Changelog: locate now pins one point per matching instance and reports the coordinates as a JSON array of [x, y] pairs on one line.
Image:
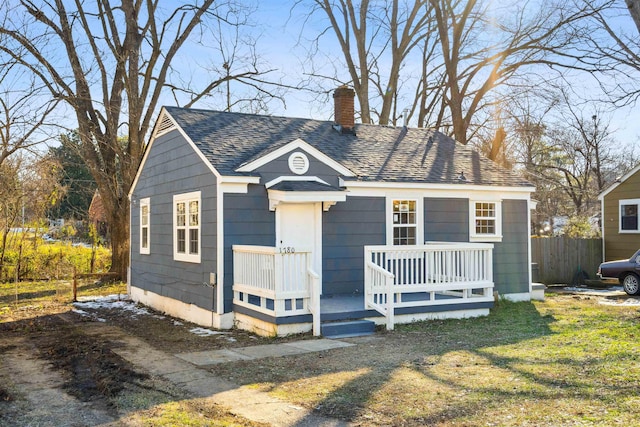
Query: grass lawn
[[569, 360]]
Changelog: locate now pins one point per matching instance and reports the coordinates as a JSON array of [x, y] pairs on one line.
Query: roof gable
[[297, 144], [619, 181]]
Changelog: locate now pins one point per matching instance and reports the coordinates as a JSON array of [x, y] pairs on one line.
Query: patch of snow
[[593, 290], [629, 302], [111, 302], [231, 339], [205, 332], [177, 323]]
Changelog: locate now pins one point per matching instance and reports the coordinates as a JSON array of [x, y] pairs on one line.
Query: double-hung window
[[486, 221], [186, 227], [145, 226], [405, 222], [628, 222]]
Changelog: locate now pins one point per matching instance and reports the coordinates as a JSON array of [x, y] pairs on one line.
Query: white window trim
[[622, 202], [187, 197], [477, 237], [419, 216], [145, 202]]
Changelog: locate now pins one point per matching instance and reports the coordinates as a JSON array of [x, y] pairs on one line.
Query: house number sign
[[287, 250]]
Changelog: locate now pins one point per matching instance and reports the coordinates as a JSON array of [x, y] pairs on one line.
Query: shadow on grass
[[460, 370], [380, 360]]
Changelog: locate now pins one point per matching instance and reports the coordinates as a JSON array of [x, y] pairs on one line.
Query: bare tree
[[111, 62], [469, 50], [475, 65], [634, 11], [375, 38], [24, 112], [615, 51]]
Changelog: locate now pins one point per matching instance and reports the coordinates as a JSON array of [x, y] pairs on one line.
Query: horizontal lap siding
[[446, 220], [347, 227], [247, 221], [619, 245], [173, 167], [511, 255]]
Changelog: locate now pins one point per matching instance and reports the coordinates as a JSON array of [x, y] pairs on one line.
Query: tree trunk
[[634, 11], [119, 232]]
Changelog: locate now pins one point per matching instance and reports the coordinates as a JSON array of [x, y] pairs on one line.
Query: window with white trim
[[145, 226], [186, 227], [628, 217], [405, 222], [485, 221]]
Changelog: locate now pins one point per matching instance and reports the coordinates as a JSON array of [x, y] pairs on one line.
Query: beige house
[[620, 207]]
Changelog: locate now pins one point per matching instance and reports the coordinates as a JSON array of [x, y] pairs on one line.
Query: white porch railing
[[275, 283], [433, 274]]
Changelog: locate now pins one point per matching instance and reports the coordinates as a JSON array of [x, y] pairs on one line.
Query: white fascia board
[[613, 186], [237, 184], [294, 178], [295, 145], [306, 196], [164, 112], [486, 192]]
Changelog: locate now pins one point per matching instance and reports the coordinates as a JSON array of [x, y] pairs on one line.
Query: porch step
[[352, 328]]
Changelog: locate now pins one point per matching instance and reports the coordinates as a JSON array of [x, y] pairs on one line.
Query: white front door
[[299, 227]]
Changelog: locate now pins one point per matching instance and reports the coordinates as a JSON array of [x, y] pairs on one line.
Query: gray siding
[[247, 221], [510, 257], [173, 167], [280, 167], [347, 227], [446, 220]]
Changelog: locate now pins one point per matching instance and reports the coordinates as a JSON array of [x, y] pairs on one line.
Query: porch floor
[[351, 306]]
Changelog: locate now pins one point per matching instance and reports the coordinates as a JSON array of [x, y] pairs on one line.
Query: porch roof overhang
[[305, 192]]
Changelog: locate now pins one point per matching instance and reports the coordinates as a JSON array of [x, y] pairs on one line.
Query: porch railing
[[433, 274], [276, 283]]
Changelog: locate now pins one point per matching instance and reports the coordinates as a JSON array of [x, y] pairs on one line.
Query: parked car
[[627, 271]]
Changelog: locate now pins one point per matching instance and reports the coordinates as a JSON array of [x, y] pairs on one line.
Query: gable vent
[[165, 125], [298, 163]]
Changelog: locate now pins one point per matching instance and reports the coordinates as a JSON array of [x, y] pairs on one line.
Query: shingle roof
[[374, 153]]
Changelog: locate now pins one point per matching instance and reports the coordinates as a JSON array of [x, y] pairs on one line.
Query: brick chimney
[[344, 108]]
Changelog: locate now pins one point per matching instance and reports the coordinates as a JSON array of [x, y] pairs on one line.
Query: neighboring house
[[620, 226], [98, 215], [277, 224]]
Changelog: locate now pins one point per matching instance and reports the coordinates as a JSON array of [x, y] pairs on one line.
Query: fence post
[[75, 285]]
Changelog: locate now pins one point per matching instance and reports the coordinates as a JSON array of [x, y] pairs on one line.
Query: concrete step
[[352, 328]]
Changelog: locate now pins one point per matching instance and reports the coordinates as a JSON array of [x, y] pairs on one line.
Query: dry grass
[[567, 361]]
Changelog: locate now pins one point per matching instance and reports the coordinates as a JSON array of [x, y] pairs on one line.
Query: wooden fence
[[565, 260]]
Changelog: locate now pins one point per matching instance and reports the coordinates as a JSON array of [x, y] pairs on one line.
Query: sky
[[282, 32]]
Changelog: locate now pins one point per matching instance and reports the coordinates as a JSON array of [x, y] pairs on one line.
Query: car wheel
[[631, 284]]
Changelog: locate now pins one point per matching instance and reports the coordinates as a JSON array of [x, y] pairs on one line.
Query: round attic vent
[[298, 163]]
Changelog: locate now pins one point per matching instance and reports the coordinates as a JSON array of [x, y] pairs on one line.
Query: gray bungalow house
[[284, 225]]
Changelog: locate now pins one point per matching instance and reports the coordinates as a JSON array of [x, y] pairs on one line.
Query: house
[[620, 226], [282, 225], [98, 215]]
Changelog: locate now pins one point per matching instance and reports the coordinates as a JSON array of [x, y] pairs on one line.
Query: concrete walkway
[[203, 358], [182, 369]]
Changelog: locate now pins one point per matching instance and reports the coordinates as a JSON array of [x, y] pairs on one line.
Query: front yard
[[570, 360]]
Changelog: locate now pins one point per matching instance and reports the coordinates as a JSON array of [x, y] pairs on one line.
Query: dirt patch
[[56, 370], [92, 370]]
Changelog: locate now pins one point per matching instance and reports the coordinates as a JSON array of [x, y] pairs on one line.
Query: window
[[186, 227], [629, 216], [486, 221], [144, 225], [404, 222]]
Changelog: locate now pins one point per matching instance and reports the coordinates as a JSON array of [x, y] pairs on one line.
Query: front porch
[[401, 284]]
